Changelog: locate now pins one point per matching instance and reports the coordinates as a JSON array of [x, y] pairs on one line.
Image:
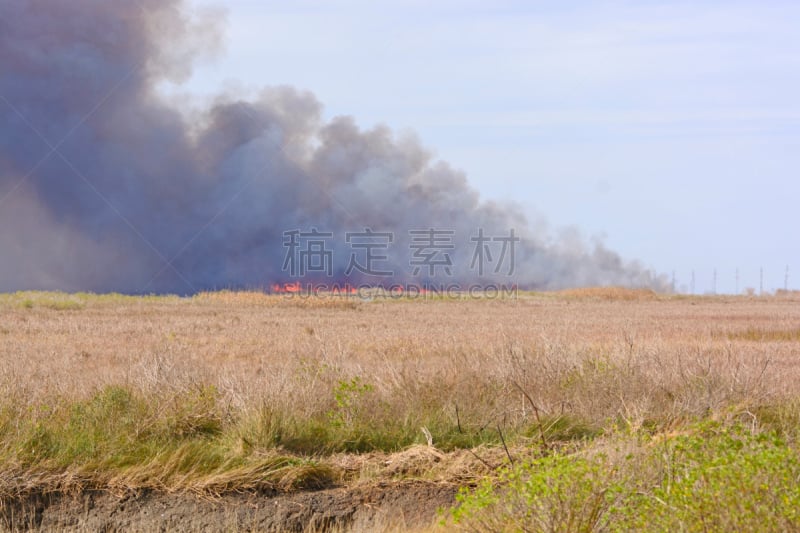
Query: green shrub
[[348, 396], [555, 493], [714, 478], [722, 479]]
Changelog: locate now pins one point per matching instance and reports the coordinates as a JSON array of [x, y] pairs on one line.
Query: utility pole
[[714, 284]]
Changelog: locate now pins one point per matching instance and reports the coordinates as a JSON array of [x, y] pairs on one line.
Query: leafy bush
[[715, 478], [722, 479], [555, 493]]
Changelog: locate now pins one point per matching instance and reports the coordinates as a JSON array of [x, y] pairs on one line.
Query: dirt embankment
[[374, 507]]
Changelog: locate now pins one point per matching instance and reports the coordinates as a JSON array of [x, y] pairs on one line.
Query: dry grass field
[[583, 410]]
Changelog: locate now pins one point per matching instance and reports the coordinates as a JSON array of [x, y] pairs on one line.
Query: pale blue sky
[[672, 129]]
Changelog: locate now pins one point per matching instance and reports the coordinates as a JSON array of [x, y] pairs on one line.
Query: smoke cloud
[[106, 186]]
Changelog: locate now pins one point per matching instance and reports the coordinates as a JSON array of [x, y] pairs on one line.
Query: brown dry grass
[[314, 378], [609, 294]]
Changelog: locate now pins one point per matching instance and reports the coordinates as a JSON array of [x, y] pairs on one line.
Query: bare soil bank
[[369, 507]]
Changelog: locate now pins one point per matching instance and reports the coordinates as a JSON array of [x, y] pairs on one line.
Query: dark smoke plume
[[106, 186]]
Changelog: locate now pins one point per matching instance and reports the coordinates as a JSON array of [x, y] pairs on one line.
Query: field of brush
[[586, 410]]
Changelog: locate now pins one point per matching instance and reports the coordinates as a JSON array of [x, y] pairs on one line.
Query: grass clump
[[766, 335], [63, 301], [369, 428], [57, 301], [609, 294], [119, 437]]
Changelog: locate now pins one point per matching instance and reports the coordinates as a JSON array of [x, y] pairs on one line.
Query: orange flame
[[282, 288], [346, 289]]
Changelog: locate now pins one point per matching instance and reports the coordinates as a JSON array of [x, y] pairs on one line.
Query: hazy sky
[[670, 129]]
